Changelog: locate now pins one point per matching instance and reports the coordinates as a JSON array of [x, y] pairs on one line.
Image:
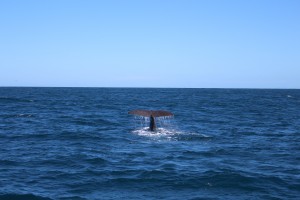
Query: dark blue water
[[80, 143]]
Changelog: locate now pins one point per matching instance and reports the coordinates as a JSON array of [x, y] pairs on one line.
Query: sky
[[150, 43]]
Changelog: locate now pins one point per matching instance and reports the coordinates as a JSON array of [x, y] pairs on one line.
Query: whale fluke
[[148, 113], [152, 114]]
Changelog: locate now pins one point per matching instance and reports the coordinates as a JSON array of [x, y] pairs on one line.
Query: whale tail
[[152, 114], [148, 113]]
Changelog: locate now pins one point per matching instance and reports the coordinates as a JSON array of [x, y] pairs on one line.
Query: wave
[[22, 197], [14, 100], [92, 122], [22, 115], [229, 180]]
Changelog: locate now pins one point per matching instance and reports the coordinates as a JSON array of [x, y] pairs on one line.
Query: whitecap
[[168, 134], [159, 132]]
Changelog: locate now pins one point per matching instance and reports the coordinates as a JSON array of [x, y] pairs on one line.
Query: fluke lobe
[[152, 114]]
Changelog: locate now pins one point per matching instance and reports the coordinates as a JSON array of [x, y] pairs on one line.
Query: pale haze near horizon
[[185, 44]]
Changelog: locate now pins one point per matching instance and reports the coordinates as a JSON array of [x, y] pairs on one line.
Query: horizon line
[[246, 88]]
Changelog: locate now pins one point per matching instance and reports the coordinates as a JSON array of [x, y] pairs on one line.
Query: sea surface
[[81, 143]]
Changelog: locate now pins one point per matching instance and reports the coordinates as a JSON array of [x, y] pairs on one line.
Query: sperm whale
[[152, 114]]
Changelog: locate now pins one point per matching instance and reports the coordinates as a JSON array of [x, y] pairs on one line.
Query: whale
[[152, 114]]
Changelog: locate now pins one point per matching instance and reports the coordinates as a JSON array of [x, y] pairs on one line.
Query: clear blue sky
[[149, 43]]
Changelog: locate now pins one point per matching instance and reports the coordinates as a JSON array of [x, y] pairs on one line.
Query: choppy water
[[80, 143]]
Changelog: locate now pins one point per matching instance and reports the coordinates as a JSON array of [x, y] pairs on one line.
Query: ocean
[[81, 143]]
